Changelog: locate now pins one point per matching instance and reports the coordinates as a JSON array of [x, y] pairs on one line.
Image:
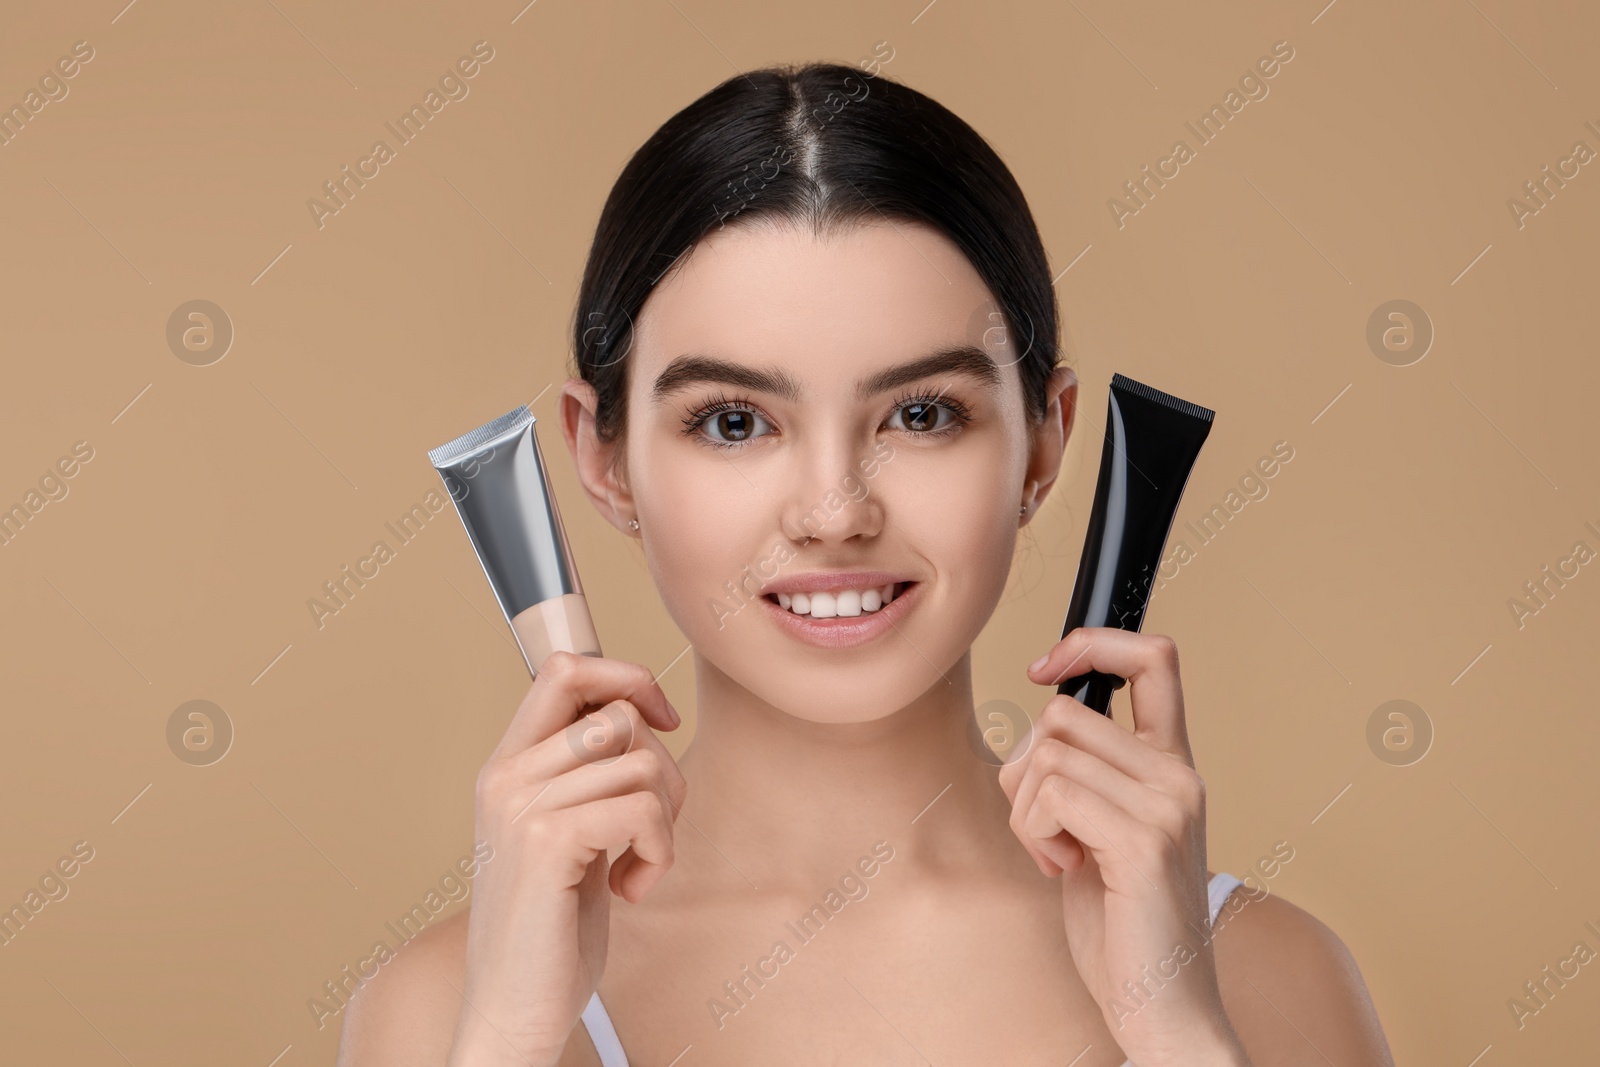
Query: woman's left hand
[[1121, 817]]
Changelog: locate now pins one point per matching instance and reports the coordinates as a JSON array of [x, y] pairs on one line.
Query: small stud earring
[[633, 524], [1024, 510]]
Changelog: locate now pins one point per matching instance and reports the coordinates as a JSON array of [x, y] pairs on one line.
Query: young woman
[[819, 379]]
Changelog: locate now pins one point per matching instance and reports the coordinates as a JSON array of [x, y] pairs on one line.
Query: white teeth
[[842, 603]]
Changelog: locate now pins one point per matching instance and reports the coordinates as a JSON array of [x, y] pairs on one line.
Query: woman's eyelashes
[[731, 422]]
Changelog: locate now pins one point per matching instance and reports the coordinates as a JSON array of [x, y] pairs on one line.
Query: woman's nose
[[833, 502]]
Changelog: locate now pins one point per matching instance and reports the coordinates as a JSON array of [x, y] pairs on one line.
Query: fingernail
[[676, 719], [1040, 662]]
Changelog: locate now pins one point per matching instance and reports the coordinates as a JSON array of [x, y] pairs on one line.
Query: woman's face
[[778, 427]]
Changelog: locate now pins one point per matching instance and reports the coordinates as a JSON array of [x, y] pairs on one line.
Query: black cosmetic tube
[[1152, 440]]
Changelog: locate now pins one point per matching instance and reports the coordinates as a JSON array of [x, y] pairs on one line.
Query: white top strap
[[603, 1034], [1222, 884], [606, 1042]]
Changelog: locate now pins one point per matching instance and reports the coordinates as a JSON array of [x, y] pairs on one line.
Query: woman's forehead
[[773, 293]]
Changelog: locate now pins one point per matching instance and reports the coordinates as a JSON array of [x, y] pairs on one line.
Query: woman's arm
[[1119, 816], [1292, 989], [518, 966]]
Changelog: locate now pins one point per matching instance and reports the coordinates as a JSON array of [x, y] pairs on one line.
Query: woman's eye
[[732, 425], [729, 423], [922, 416]]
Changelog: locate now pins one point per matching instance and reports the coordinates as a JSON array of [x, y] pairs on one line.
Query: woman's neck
[[780, 802]]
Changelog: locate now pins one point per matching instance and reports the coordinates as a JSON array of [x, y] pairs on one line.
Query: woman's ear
[[598, 461], [1050, 440]]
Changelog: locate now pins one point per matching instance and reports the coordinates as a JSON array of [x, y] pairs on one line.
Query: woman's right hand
[[552, 798]]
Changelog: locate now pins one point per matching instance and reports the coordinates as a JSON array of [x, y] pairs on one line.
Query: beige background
[[179, 565]]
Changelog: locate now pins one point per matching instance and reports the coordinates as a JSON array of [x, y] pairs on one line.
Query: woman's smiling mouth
[[841, 611]]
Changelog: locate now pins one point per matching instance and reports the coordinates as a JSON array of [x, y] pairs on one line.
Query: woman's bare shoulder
[[406, 1016], [1292, 989]]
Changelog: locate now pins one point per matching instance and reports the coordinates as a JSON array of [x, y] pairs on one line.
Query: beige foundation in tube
[[496, 477]]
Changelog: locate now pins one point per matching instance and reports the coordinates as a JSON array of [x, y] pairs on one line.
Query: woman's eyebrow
[[685, 371]]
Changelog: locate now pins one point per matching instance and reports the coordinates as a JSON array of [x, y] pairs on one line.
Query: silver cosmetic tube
[[496, 477]]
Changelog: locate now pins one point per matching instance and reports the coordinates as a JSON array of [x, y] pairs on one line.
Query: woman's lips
[[846, 632]]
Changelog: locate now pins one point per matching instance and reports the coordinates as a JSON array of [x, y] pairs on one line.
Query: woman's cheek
[[704, 545], [965, 518]]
